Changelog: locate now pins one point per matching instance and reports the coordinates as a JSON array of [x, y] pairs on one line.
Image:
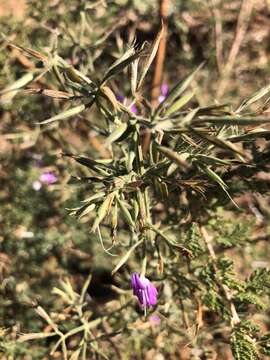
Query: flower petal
[[152, 295]]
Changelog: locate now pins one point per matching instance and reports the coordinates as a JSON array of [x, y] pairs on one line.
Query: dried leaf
[[103, 211], [50, 93], [151, 56], [108, 94]]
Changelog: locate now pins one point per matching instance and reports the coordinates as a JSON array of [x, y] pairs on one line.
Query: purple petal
[[120, 98], [135, 283], [134, 109], [138, 282], [152, 294], [164, 89], [48, 178], [145, 291], [145, 298]]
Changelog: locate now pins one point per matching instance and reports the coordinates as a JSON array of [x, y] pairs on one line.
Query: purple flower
[[144, 290], [48, 178], [122, 99], [164, 89], [134, 109], [164, 92]]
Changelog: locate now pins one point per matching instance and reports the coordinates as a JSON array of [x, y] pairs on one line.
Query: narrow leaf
[[224, 144], [179, 88], [126, 257], [121, 63], [50, 93], [151, 56], [116, 134], [253, 98], [108, 94], [126, 214], [10, 91], [76, 75], [38, 55], [232, 120], [86, 210], [172, 155], [103, 211], [180, 103], [65, 114]]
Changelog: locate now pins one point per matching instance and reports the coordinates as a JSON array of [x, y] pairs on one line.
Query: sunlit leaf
[[125, 258], [7, 94], [129, 56], [116, 134], [64, 115], [177, 105]]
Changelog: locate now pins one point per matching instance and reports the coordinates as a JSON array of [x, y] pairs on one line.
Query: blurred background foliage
[[41, 243]]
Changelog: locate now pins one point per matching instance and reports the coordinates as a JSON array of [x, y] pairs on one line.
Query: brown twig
[[218, 33], [241, 28], [159, 65]]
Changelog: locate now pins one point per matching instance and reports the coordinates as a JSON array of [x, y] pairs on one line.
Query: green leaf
[[108, 94], [85, 210], [103, 211], [243, 345], [214, 176], [116, 134], [125, 258], [253, 98], [129, 56], [250, 135], [10, 91], [65, 114], [126, 214], [189, 117], [76, 76], [179, 88], [102, 167], [177, 105], [230, 120], [222, 143], [172, 155], [211, 160]]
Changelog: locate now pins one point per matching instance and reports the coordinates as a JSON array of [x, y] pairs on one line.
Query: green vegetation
[[115, 160]]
